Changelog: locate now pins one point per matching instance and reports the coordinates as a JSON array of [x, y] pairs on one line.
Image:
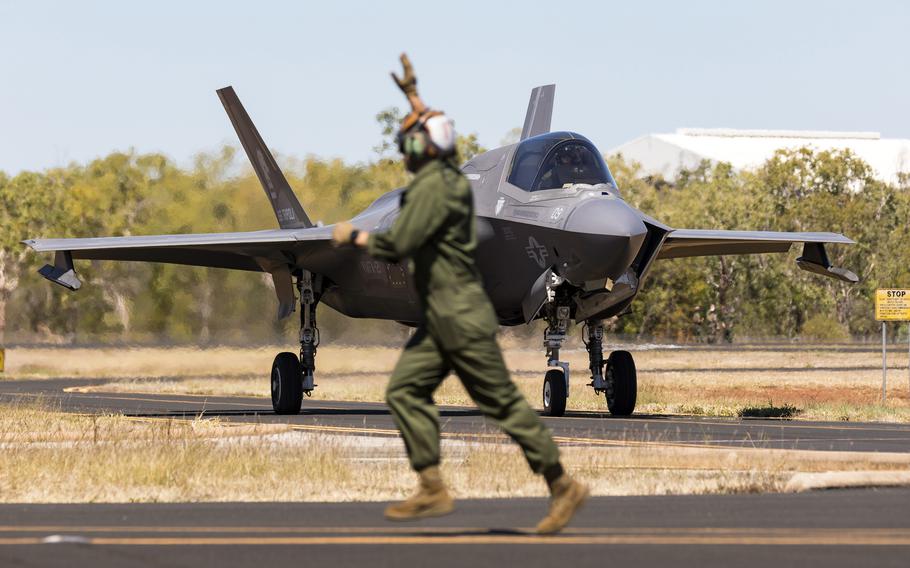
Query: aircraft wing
[[239, 251], [705, 242], [298, 243], [272, 251]]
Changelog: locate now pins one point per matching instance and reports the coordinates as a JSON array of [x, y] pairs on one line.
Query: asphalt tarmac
[[831, 529], [576, 428], [828, 528]]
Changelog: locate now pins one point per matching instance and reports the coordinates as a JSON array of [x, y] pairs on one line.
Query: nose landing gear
[[556, 381], [615, 378]]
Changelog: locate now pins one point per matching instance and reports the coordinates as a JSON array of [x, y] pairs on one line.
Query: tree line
[[700, 299]]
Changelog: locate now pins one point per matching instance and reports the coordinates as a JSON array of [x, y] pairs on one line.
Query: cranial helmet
[[424, 133]]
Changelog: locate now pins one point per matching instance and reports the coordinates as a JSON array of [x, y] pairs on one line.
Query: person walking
[[435, 228]]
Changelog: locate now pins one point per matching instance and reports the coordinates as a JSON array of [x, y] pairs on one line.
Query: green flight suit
[[436, 229]]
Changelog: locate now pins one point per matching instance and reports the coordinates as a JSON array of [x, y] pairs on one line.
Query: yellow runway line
[[510, 540], [499, 539], [104, 396], [473, 536], [69, 529], [464, 531]]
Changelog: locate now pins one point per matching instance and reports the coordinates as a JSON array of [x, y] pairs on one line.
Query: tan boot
[[567, 497], [431, 500]]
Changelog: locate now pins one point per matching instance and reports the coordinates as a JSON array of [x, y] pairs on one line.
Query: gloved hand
[[408, 83], [343, 234]]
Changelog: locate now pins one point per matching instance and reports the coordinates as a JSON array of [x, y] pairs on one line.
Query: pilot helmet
[[425, 136], [569, 163]]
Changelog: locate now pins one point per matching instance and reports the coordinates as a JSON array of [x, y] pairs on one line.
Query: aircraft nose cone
[[610, 217], [612, 232]]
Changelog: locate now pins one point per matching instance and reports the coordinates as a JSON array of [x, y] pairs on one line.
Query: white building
[[666, 154]]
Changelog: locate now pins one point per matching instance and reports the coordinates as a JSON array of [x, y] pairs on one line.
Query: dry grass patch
[[35, 422], [152, 362], [50, 456]]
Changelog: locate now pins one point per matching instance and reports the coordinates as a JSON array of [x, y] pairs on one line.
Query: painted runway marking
[[471, 536]]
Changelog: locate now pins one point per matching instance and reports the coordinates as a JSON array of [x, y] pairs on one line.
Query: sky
[[79, 80]]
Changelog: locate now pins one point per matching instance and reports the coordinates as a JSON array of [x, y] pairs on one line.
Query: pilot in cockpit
[[566, 166]]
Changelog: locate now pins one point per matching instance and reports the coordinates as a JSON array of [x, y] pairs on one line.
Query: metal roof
[[666, 154]]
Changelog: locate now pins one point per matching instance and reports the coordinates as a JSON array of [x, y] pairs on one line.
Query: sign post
[[884, 363], [890, 305]]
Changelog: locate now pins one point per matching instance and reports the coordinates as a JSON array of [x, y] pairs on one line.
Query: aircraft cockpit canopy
[[557, 159]]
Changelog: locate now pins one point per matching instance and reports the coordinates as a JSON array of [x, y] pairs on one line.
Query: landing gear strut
[[293, 375], [619, 384], [593, 337], [614, 378], [556, 381]]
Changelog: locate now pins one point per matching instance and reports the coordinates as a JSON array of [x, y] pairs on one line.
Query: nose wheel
[[554, 393]]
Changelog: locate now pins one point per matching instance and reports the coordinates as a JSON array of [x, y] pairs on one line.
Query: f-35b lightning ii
[[556, 241]]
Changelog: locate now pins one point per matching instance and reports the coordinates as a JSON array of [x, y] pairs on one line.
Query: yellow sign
[[2, 358], [892, 305]]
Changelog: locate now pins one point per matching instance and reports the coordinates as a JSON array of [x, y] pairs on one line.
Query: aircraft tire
[[622, 383], [554, 393], [287, 384]]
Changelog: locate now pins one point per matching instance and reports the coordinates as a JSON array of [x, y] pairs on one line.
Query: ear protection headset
[[429, 135]]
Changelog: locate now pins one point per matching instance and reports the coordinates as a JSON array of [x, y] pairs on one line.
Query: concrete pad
[[843, 479]]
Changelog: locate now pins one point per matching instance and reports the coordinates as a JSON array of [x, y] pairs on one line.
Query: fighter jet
[[556, 242]]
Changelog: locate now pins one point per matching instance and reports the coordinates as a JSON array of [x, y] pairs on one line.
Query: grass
[[49, 456]]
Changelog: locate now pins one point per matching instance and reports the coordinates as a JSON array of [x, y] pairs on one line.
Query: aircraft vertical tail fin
[[540, 111], [287, 208]]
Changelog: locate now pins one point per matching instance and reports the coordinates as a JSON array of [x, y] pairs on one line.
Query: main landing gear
[[619, 384], [292, 374], [615, 378]]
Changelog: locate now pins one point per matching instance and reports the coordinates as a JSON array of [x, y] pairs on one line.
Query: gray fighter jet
[[556, 242]]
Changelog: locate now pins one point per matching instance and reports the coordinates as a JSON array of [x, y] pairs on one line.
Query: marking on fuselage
[[537, 252], [526, 213], [499, 203], [373, 267], [398, 276], [508, 234]]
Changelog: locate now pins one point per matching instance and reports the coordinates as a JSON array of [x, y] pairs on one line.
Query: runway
[[832, 529], [576, 428]]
